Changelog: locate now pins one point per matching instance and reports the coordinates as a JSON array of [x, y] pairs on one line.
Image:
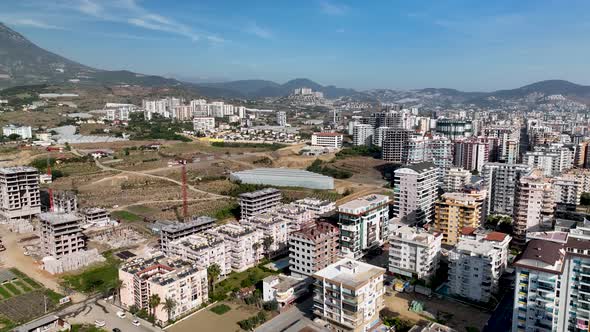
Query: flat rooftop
[[55, 218], [17, 169], [364, 201], [349, 272], [181, 226], [257, 193]]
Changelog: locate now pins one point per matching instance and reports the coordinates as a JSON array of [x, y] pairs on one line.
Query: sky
[[472, 45]]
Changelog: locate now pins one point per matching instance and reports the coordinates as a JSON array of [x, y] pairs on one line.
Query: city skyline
[[471, 47]]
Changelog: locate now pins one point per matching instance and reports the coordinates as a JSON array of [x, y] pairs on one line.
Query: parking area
[[106, 312]]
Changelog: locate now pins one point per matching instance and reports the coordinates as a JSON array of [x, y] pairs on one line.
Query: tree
[[119, 285], [255, 247], [213, 273], [266, 243], [585, 199], [14, 137], [169, 305], [154, 302]]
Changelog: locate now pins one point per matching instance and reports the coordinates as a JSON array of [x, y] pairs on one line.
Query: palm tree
[[266, 243], [154, 302], [169, 305], [213, 272], [118, 288]]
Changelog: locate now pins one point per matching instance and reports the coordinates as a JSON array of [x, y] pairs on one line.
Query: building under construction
[[19, 193], [60, 234], [182, 230]]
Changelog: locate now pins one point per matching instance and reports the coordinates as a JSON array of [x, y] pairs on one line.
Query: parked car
[[116, 329], [100, 323], [121, 314], [135, 322]]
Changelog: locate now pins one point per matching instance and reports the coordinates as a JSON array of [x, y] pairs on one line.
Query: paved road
[[290, 319]]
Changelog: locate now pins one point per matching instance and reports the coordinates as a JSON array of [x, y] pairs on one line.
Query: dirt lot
[[207, 320], [454, 314]]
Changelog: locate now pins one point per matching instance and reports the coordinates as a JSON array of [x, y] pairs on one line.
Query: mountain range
[[22, 63]]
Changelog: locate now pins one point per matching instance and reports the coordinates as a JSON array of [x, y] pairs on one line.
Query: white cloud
[[259, 31], [29, 22], [331, 8]]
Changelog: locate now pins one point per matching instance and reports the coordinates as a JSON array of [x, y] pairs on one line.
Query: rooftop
[[56, 218], [327, 134], [281, 172], [418, 168], [177, 227], [365, 202], [262, 192], [17, 169], [349, 272], [542, 255]]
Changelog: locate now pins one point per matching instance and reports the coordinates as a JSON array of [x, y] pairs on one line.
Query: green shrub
[[220, 309]]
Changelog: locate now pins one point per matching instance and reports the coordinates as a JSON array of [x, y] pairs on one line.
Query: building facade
[[19, 193], [312, 249], [415, 188], [414, 252], [455, 211]]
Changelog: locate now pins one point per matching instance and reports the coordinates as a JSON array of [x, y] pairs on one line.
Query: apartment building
[[393, 143], [312, 249], [567, 190], [348, 295], [363, 224], [328, 140], [442, 151], [456, 179], [275, 228], [259, 201], [471, 154], [281, 118], [171, 279], [243, 243], [204, 124], [202, 250], [534, 206], [501, 181], [316, 206], [414, 252], [415, 188], [476, 265], [362, 134], [457, 210], [296, 216], [454, 129], [283, 289], [553, 160], [60, 234], [19, 193], [177, 231]]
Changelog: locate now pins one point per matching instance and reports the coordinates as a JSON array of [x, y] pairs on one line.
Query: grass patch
[[4, 293], [235, 281], [102, 278], [126, 216], [6, 324], [86, 328], [26, 278], [12, 288], [53, 296], [220, 309], [23, 286]]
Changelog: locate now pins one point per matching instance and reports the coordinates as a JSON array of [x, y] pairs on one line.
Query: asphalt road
[[291, 318], [501, 319]]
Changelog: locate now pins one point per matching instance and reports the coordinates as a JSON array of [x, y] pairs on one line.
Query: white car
[[99, 323], [135, 322], [121, 314]]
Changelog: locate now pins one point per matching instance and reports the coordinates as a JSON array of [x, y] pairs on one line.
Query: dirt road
[[14, 257]]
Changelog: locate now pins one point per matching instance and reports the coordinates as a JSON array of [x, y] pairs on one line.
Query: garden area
[[101, 278], [22, 299]]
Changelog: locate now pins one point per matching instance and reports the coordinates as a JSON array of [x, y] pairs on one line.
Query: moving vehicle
[[99, 323], [121, 314], [135, 322]]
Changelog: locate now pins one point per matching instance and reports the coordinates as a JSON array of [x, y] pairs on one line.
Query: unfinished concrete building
[[97, 217], [19, 193], [178, 231], [65, 201], [60, 234], [259, 201], [312, 249]]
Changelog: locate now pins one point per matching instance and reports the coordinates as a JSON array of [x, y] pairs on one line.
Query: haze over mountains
[[22, 63]]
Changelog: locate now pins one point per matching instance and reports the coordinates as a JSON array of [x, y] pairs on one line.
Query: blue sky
[[470, 45]]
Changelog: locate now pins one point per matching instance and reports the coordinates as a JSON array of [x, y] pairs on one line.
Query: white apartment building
[[118, 114], [202, 250], [60, 234], [348, 295], [25, 132], [283, 289], [20, 197], [363, 224], [316, 206], [182, 113], [202, 124], [275, 228], [312, 249], [259, 201], [328, 140], [296, 216], [281, 118], [414, 252], [242, 242], [362, 134], [501, 181], [553, 160], [476, 265], [441, 150], [415, 191], [171, 279], [534, 206], [455, 179], [567, 189]]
